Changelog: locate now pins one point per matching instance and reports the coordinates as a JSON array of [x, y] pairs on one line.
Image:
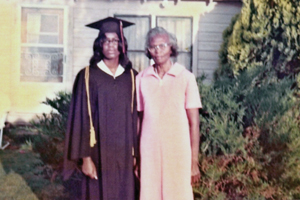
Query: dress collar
[[104, 68], [173, 71]]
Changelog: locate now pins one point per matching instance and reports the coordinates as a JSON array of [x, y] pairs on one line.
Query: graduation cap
[[111, 25]]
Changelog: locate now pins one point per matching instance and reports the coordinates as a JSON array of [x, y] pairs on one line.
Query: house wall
[[209, 21], [6, 57], [87, 12], [25, 98], [211, 27]]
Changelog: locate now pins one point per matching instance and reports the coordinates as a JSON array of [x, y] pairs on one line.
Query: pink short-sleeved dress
[[165, 140]]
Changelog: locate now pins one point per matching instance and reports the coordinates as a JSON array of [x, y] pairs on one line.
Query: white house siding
[[24, 98], [208, 22], [88, 11], [211, 27]]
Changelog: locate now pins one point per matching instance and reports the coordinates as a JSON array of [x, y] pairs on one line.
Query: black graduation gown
[[115, 127]]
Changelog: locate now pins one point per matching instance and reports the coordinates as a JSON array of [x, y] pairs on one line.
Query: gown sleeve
[[77, 135]]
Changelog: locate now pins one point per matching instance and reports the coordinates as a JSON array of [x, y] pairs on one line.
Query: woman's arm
[[193, 118]]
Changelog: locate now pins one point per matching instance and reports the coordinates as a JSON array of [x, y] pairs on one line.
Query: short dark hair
[[161, 31]]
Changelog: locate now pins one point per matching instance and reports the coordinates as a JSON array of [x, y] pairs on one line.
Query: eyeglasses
[[157, 47], [113, 41]]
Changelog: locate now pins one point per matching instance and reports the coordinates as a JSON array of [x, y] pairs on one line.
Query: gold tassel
[[93, 137], [92, 130]]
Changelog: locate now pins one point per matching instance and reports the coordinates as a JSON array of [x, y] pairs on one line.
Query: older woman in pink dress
[[168, 103]]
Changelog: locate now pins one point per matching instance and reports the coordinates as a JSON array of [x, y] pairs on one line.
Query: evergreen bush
[[250, 122], [52, 128], [54, 124], [266, 33]]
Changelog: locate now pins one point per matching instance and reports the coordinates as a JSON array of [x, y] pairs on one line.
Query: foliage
[[260, 118], [27, 145], [51, 129], [266, 33], [24, 176], [51, 151], [20, 191], [250, 122], [19, 135], [222, 116], [54, 124], [61, 103], [50, 124]]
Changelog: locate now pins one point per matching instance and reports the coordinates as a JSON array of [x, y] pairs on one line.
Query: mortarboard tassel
[[122, 37]]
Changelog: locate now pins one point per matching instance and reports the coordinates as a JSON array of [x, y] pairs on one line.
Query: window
[[136, 35], [42, 49], [181, 27]]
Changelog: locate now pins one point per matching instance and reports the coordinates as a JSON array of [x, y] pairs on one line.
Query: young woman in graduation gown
[[106, 156]]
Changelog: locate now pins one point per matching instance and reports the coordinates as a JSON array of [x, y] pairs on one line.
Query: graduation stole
[[92, 129]]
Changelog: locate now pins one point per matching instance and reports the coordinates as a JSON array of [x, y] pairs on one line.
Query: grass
[[23, 175], [13, 186]]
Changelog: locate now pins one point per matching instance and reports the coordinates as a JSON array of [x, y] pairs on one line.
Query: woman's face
[[110, 46], [160, 49]]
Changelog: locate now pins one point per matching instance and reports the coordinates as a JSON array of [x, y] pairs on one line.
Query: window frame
[[142, 51], [64, 44], [191, 39], [153, 20], [124, 15]]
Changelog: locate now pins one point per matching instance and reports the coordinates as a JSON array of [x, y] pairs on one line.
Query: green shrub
[[250, 122], [54, 124], [221, 121], [51, 130], [61, 103], [24, 176], [266, 33], [254, 160]]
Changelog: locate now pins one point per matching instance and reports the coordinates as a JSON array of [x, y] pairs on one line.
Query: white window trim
[[65, 9], [195, 21]]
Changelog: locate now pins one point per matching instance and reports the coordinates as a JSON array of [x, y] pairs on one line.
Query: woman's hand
[[195, 174], [88, 168]]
